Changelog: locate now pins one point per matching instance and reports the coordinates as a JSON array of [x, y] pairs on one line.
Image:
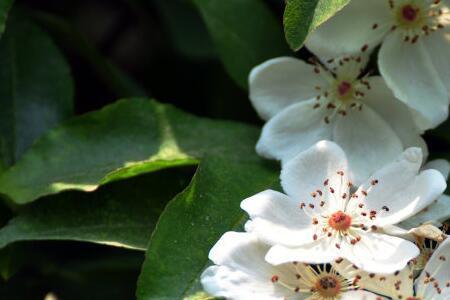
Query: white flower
[[413, 58], [320, 219], [432, 284], [306, 103], [241, 273], [421, 224], [438, 211]]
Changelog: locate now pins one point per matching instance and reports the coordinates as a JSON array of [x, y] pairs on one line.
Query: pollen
[[409, 13], [328, 287], [416, 18], [410, 16], [344, 88], [340, 221]]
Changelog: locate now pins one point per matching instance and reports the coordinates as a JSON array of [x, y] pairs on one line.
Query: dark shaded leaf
[[36, 89], [121, 214], [245, 34]]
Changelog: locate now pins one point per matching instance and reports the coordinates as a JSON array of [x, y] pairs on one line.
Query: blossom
[[413, 58], [433, 282], [438, 211], [306, 103], [421, 224], [322, 217], [241, 273]]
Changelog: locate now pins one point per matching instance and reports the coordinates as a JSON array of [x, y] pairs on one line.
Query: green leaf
[[194, 221], [5, 6], [301, 17], [36, 89], [122, 140], [245, 34], [121, 214]]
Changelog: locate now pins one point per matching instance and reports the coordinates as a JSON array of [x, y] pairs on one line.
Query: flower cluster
[[361, 211]]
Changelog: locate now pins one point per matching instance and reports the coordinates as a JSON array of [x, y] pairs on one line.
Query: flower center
[[409, 13], [344, 89], [328, 287], [410, 16], [340, 221]]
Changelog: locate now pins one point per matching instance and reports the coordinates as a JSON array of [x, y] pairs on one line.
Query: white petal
[[350, 29], [398, 231], [277, 219], [243, 273], [409, 72], [367, 140], [294, 129], [399, 117], [220, 281], [307, 171], [438, 46], [361, 295], [280, 82], [383, 284], [379, 253], [428, 231], [439, 268], [402, 189], [441, 165], [320, 251], [436, 213], [239, 250]]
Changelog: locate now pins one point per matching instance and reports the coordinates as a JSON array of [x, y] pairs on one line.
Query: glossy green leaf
[[301, 17], [121, 214], [245, 34], [36, 89], [122, 140], [5, 6], [194, 221]]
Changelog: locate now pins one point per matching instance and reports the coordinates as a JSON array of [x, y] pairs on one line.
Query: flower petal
[[438, 46], [280, 82], [277, 219], [441, 165], [367, 140], [409, 72], [220, 281], [350, 29], [307, 172], [320, 251], [361, 295], [425, 231], [381, 99], [239, 250], [402, 191], [294, 129], [437, 267], [391, 285], [379, 253], [243, 273], [436, 213]]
